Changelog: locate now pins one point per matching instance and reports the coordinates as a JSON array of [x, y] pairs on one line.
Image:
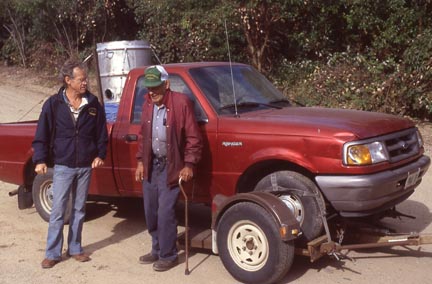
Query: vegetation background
[[360, 54]]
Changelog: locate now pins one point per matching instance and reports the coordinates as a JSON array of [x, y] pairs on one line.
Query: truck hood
[[316, 121]]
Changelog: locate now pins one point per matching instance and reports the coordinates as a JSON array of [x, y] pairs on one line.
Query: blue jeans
[[159, 209], [74, 183]]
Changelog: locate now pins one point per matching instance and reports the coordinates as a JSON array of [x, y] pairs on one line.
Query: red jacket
[[184, 143]]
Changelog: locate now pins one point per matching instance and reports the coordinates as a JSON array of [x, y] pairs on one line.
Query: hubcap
[[295, 206], [248, 245], [47, 196]]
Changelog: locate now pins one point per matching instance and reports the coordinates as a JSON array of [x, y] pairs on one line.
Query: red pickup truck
[[272, 172]]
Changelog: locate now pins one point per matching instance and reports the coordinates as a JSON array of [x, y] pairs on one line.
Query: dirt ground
[[115, 234]]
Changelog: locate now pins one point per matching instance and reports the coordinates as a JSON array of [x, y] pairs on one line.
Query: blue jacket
[[76, 144]]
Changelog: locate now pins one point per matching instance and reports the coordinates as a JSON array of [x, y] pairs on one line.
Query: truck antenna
[[32, 108], [232, 77], [154, 53]]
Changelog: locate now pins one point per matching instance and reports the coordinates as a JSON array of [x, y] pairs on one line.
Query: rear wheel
[[250, 246], [301, 196], [43, 196]]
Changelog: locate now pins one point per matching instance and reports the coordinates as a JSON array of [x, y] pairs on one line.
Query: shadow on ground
[[405, 225], [129, 209], [132, 211]]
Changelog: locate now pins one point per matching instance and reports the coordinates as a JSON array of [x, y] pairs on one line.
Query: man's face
[[157, 93], [78, 82]]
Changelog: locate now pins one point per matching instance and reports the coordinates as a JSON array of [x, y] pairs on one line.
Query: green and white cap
[[154, 76]]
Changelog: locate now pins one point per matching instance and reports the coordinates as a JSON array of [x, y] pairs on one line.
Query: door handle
[[130, 137]]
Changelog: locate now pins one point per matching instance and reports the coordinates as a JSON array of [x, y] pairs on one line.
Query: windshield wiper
[[278, 101], [248, 104]]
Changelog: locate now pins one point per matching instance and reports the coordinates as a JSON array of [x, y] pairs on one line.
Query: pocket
[[63, 148], [87, 147]]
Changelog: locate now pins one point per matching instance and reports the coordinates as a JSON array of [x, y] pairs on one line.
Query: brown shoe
[[49, 263], [81, 257]]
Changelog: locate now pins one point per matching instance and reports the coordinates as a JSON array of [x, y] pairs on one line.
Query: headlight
[[365, 154]]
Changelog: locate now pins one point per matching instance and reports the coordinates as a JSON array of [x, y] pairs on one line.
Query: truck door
[[126, 136]]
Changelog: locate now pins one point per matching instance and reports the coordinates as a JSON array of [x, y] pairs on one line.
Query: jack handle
[[180, 182]]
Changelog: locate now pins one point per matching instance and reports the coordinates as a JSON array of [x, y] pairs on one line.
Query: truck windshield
[[252, 90]]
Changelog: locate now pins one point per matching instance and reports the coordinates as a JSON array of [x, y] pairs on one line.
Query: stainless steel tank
[[115, 60]]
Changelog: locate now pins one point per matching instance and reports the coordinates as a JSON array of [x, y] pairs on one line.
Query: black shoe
[[148, 258], [164, 265]]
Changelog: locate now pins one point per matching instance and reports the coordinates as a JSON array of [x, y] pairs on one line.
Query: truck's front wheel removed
[[43, 196], [250, 245], [301, 196]]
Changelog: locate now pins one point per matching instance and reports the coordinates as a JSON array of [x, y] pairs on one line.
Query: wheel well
[[255, 173], [250, 178]]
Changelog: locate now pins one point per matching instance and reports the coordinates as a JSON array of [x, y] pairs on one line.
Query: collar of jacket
[[90, 97]]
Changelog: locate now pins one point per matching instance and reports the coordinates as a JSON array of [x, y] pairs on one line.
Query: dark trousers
[[159, 209]]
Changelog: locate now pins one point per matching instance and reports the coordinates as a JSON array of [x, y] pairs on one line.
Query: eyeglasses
[[80, 80]]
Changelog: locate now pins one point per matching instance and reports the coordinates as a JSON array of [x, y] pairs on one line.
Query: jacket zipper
[[76, 134], [76, 124]]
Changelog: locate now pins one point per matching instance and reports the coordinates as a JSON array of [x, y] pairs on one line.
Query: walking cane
[[187, 272]]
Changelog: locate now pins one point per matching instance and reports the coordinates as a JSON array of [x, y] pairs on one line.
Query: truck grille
[[401, 145]]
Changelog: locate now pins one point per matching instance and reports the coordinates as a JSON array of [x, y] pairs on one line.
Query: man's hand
[[97, 162], [41, 169], [139, 172], [186, 174]]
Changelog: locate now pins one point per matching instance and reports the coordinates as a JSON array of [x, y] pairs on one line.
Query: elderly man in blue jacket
[[72, 129]]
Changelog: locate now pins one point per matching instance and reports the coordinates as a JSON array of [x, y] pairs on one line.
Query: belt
[[159, 160]]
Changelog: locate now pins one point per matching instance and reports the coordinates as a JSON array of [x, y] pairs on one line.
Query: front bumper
[[362, 195]]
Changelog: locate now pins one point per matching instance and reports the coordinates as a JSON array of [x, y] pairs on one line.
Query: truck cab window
[[177, 85]]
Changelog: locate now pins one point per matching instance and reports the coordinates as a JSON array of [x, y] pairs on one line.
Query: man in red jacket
[[169, 148]]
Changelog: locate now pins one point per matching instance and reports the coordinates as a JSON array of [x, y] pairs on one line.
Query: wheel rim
[[295, 206], [248, 245], [46, 196]]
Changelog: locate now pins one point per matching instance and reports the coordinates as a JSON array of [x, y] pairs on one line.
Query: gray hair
[[68, 67]]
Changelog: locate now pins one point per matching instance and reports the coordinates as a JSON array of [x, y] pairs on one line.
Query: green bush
[[9, 53], [356, 82]]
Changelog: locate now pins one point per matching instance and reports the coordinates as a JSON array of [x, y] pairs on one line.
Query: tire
[[250, 246], [43, 196], [302, 197]]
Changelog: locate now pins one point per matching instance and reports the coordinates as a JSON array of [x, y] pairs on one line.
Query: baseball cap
[[154, 76]]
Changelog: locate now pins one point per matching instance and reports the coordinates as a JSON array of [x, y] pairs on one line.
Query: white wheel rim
[[248, 245]]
